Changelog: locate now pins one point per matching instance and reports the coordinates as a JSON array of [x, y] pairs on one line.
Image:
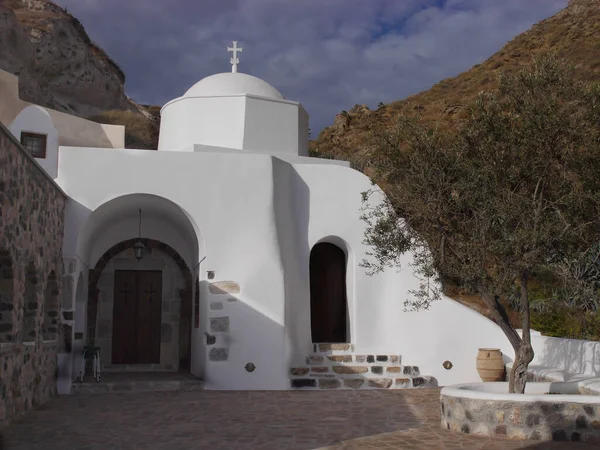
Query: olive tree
[[515, 190]]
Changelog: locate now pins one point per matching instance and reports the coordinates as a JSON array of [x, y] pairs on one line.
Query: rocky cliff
[[61, 68], [573, 33]]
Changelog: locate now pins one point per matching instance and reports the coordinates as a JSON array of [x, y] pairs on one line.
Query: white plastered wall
[[379, 324], [272, 126], [242, 122], [229, 197], [35, 119], [72, 130], [217, 121]]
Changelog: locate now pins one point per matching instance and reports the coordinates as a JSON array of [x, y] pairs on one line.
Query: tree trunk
[[520, 344], [524, 353]]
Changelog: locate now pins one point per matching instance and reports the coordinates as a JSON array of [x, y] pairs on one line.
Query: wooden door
[[124, 336], [137, 317], [328, 302]]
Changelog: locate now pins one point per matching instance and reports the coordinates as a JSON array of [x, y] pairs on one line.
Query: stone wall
[[31, 236], [558, 421], [335, 366]]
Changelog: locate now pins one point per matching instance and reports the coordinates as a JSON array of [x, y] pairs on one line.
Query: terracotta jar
[[490, 365]]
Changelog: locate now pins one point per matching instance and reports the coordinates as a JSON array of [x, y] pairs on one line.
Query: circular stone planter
[[488, 409]]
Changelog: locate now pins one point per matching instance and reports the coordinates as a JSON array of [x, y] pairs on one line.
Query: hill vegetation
[[572, 34]]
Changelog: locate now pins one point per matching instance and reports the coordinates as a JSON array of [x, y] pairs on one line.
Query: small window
[[34, 143]]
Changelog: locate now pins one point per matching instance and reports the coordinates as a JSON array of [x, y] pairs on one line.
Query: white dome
[[230, 83]]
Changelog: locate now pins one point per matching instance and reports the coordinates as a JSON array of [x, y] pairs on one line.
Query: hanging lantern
[[139, 248]]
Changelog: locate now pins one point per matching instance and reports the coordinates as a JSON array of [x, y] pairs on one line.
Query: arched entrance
[[328, 299], [146, 311]]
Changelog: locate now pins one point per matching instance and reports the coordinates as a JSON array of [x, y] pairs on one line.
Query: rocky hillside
[[61, 68], [573, 33]]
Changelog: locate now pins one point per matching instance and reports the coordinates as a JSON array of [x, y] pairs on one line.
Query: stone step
[[127, 382], [135, 386], [346, 382], [137, 368], [365, 370], [320, 359], [333, 349]]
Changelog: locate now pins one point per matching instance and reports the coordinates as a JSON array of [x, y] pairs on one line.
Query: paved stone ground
[[236, 420]]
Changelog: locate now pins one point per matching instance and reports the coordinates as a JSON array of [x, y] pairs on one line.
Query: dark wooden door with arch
[[328, 301], [137, 317]]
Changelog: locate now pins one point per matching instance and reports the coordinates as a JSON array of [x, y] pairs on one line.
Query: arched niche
[[50, 312], [185, 312], [7, 305], [80, 302], [31, 305]]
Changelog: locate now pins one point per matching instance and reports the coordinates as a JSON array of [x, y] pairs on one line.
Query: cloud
[[329, 55]]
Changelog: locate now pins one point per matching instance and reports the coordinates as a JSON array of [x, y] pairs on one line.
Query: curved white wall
[[216, 121], [448, 331], [36, 119], [258, 217], [239, 240], [242, 122]]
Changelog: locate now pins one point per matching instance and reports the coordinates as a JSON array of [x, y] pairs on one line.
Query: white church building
[[232, 254]]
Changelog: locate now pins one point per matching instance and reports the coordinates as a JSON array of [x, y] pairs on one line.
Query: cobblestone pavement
[[236, 420]]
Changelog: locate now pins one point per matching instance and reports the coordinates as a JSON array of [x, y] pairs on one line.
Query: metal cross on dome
[[234, 60]]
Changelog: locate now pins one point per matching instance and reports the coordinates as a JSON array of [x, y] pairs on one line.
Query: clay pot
[[490, 365]]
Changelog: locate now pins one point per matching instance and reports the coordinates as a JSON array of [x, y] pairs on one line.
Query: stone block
[[299, 371], [381, 358], [218, 354], [382, 383], [219, 324], [350, 369], [532, 419], [319, 369], [353, 383], [370, 359], [418, 381], [394, 359], [581, 422], [514, 416], [329, 383], [332, 347], [314, 359], [224, 287], [394, 369], [499, 416], [303, 382], [559, 435], [377, 370], [403, 382], [340, 358], [360, 358]]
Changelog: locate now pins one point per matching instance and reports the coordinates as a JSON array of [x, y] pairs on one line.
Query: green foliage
[[516, 191], [562, 321]]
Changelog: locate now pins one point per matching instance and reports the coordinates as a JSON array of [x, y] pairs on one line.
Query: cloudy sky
[[327, 54]]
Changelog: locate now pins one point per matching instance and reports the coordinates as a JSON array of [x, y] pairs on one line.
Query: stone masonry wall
[[31, 236], [558, 421]]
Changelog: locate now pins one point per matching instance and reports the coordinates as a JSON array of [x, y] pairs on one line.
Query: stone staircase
[[137, 378], [335, 366]]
